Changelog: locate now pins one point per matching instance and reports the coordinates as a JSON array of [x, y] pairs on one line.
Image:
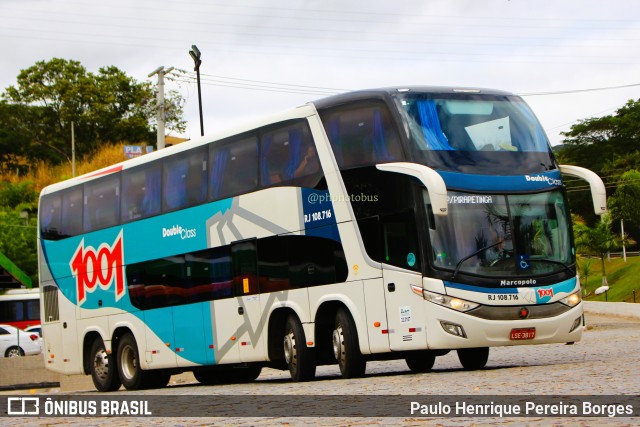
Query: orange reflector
[[52, 356], [167, 344], [233, 338], [376, 324], [309, 342]]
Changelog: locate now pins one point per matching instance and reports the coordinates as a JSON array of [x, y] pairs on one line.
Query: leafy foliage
[[107, 107]]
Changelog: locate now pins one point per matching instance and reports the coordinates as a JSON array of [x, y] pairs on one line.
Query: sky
[[570, 59]]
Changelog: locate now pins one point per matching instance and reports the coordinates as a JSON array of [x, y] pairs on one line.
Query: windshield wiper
[[552, 261], [479, 251]]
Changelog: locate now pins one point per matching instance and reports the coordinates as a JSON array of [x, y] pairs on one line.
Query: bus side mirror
[[598, 192], [430, 178]]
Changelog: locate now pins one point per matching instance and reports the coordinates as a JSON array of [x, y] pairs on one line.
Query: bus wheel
[[300, 358], [473, 358], [14, 352], [103, 368], [421, 361], [346, 348], [129, 370], [247, 374]]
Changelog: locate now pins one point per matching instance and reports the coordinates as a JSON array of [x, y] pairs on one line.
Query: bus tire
[[346, 348], [421, 361], [473, 358], [133, 377], [299, 358], [102, 367]]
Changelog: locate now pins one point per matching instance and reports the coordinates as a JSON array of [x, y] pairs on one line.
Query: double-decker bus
[[398, 223], [20, 307]]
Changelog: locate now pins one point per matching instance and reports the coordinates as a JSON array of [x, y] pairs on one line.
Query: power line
[[564, 92]]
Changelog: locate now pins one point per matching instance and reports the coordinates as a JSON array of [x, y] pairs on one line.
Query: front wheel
[[103, 368], [299, 358], [421, 361], [473, 358], [346, 348]]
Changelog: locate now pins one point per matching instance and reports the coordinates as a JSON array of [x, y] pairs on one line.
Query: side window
[[33, 310], [273, 264], [157, 283], [71, 211], [290, 262], [288, 156], [362, 134], [234, 167], [209, 274], [141, 192], [101, 203], [184, 180], [51, 217]]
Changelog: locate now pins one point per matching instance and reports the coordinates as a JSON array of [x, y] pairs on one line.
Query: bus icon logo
[[23, 406]]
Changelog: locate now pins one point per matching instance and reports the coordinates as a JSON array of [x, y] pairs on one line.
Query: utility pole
[[160, 113], [73, 151]]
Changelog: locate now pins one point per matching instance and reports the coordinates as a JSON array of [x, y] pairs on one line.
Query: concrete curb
[[620, 309]]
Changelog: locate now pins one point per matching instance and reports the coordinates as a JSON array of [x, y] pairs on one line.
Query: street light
[[195, 54]]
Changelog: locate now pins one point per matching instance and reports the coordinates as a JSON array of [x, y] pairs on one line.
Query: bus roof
[[391, 91]]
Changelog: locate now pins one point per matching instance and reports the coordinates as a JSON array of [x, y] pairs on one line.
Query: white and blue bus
[[386, 224]]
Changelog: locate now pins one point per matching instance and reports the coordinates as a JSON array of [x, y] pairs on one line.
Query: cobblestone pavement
[[605, 362]]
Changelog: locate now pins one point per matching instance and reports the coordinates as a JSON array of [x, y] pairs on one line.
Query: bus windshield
[[502, 235], [471, 132]]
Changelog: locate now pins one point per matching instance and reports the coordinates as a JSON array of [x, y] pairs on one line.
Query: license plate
[[523, 334]]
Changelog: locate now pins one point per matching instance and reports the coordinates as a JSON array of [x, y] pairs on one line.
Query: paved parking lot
[[605, 362]]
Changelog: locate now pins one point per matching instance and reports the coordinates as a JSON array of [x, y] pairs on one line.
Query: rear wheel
[[299, 358], [14, 351], [346, 348], [103, 368], [421, 362], [133, 377], [473, 358]]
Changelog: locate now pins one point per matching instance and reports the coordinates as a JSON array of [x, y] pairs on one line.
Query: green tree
[[18, 240], [625, 201], [105, 107], [598, 240]]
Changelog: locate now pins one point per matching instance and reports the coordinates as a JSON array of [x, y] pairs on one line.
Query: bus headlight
[[450, 302], [572, 300]]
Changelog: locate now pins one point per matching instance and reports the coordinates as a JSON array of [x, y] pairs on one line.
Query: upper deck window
[[103, 198], [362, 134]]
